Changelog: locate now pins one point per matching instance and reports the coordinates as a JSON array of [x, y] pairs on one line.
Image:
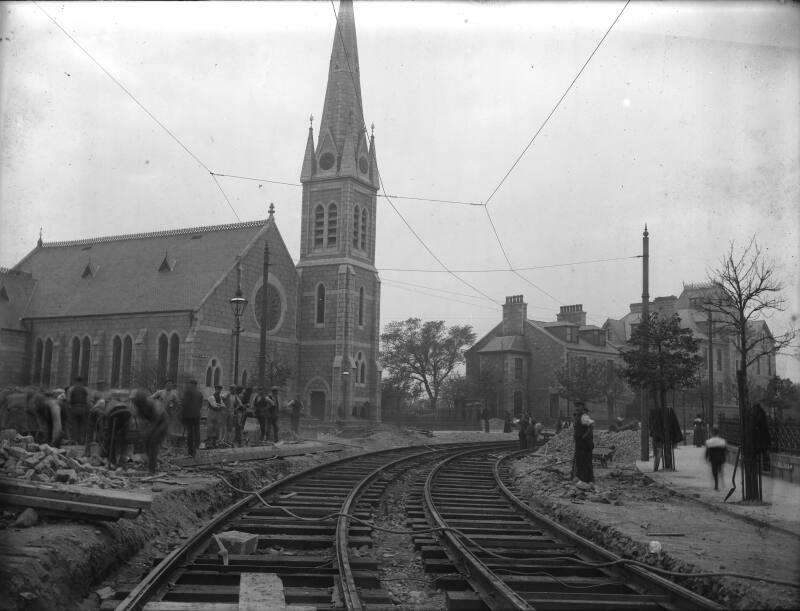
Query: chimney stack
[[573, 314], [515, 313]]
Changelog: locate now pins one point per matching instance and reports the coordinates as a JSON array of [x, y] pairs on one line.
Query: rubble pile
[[625, 444], [21, 458]]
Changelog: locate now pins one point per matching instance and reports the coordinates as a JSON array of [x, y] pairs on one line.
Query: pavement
[[692, 478]]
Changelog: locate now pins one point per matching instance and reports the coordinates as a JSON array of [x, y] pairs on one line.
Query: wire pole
[[262, 346], [644, 432]]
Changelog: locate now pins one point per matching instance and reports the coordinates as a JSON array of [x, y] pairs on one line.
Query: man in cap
[[260, 405], [296, 405]]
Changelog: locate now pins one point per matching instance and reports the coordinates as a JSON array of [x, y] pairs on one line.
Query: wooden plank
[[73, 509], [209, 457], [177, 606], [258, 591], [78, 494]]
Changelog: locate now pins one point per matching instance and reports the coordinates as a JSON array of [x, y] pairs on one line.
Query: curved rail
[[514, 557], [496, 593], [644, 577], [156, 583]]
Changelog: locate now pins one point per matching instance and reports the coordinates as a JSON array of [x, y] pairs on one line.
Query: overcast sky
[[687, 119]]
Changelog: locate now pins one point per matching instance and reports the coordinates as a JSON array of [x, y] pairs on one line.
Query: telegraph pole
[[643, 428], [264, 314]]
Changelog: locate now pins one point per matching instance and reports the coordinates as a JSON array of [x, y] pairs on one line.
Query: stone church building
[[117, 309]]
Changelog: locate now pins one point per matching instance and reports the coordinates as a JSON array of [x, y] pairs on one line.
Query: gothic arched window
[[116, 361], [47, 366], [86, 357], [364, 229], [319, 226], [174, 353], [75, 366], [356, 221], [126, 369], [163, 350], [361, 307], [320, 304], [333, 224]]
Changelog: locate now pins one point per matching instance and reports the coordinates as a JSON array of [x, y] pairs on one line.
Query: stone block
[[68, 476], [236, 542], [18, 453], [23, 440]]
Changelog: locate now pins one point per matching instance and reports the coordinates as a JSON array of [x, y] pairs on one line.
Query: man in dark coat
[[273, 405], [584, 444], [260, 405], [78, 399], [662, 445], [716, 452], [154, 414], [191, 405]]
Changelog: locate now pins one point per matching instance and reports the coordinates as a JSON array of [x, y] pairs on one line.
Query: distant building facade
[[717, 347], [156, 305], [517, 360]]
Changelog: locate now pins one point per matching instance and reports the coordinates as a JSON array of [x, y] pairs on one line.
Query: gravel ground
[[624, 511]]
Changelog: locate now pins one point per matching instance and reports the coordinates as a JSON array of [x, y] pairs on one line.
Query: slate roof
[[125, 274], [505, 343], [15, 290]]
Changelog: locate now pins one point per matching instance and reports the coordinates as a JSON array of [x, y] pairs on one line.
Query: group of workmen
[[169, 412]]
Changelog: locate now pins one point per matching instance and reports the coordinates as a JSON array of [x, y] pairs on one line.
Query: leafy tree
[[746, 288], [424, 352], [670, 362]]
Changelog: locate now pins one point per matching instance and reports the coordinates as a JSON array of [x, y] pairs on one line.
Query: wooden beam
[[73, 509], [209, 457], [176, 606], [97, 496]]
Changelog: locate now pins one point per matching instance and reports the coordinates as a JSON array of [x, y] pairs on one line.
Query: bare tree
[[746, 290]]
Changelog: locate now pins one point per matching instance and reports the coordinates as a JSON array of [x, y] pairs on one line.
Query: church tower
[[339, 374]]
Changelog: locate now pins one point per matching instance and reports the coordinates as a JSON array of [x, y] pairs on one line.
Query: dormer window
[[3, 294], [90, 270], [167, 264]]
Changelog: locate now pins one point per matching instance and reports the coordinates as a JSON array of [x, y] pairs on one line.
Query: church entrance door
[[318, 404]]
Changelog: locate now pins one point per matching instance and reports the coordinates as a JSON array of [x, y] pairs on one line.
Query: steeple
[[309, 159], [342, 149]]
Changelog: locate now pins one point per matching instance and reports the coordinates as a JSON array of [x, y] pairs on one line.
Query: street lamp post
[[345, 387], [238, 305]]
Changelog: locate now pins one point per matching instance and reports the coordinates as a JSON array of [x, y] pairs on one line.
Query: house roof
[[15, 290], [582, 343], [505, 343], [145, 272]]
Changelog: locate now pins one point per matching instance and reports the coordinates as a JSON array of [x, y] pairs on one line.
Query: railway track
[[513, 557], [484, 547], [307, 530]]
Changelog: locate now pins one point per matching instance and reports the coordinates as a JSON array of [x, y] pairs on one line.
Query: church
[[141, 308]]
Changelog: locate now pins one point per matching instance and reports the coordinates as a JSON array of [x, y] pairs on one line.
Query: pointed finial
[[372, 127], [39, 243], [311, 121], [645, 234], [271, 211]]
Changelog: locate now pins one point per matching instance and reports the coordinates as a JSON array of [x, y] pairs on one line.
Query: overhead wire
[[525, 150], [380, 178]]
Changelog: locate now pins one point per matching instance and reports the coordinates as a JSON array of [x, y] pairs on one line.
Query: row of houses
[[518, 359]]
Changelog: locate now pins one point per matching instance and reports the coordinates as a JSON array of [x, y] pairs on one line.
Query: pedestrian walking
[[296, 407], [485, 419], [191, 406], [716, 453], [584, 444], [154, 414], [699, 431], [506, 421]]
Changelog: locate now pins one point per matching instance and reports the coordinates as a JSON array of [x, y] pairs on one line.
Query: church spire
[[341, 140]]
